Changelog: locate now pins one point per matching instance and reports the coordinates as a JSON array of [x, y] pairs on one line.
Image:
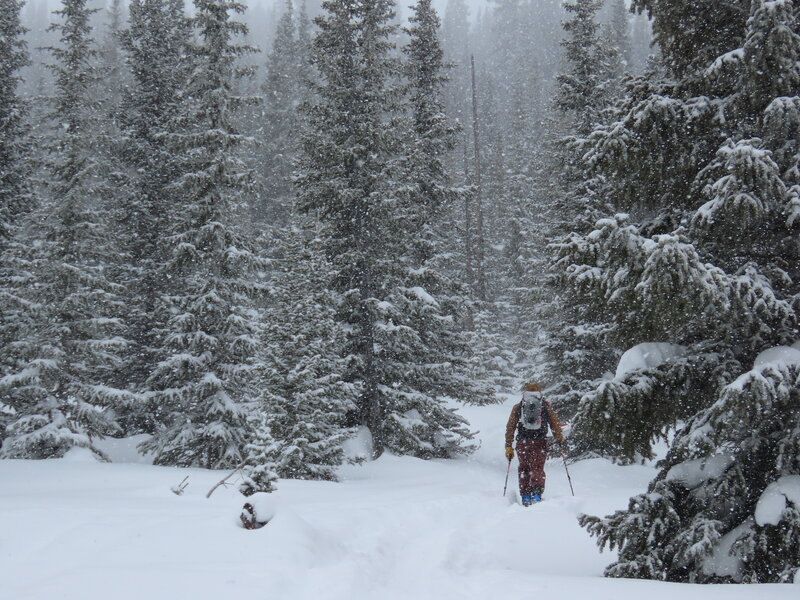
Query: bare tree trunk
[[469, 322], [468, 220], [370, 409], [479, 240]]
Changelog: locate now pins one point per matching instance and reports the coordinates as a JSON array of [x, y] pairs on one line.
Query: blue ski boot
[[526, 499], [536, 498]]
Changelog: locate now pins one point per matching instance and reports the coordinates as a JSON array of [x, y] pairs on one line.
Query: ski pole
[[564, 457], [507, 472]]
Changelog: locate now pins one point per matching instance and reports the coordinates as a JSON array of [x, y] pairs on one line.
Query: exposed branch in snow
[[178, 489], [222, 482]]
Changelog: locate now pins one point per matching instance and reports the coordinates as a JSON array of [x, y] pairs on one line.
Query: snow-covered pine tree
[[15, 195], [15, 198], [111, 65], [284, 93], [305, 397], [66, 350], [433, 137], [260, 452], [113, 79], [156, 45], [204, 384], [521, 238], [726, 504], [304, 49], [620, 30], [703, 162], [457, 48], [577, 348], [582, 88], [507, 102], [435, 302], [352, 177]]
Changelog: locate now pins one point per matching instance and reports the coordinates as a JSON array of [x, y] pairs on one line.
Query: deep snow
[[396, 528]]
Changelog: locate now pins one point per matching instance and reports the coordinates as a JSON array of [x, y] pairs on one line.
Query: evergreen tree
[[582, 89], [156, 43], [65, 351], [435, 302], [620, 33], [283, 95], [706, 260], [258, 467], [14, 195], [726, 493], [457, 49], [352, 174], [203, 386], [578, 347], [112, 68], [687, 51], [305, 396]]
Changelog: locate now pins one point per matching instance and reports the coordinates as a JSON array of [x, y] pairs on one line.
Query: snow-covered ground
[[396, 528]]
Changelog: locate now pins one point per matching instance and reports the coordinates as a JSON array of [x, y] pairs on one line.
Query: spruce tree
[[619, 23], [457, 47], [156, 44], [203, 385], [434, 302], [111, 67], [14, 196], [352, 175], [258, 468], [582, 90], [578, 346], [305, 396], [283, 92], [65, 351], [705, 259]]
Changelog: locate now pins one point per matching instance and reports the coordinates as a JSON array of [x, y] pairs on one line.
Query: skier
[[531, 418]]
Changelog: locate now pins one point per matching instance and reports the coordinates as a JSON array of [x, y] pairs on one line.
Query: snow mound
[[722, 562], [694, 472], [779, 355], [772, 502], [424, 296], [647, 356], [78, 454], [263, 505], [776, 357], [125, 450], [359, 447]]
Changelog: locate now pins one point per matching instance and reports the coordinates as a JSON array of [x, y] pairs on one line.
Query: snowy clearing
[[397, 528]]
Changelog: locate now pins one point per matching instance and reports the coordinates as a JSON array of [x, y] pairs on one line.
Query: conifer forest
[[248, 235]]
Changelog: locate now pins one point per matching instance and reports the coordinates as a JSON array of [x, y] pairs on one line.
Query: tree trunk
[[369, 403], [479, 241]]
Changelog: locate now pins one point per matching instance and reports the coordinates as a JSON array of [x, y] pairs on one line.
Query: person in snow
[[531, 419]]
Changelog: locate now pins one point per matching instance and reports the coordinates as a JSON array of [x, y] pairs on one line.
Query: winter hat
[[532, 387]]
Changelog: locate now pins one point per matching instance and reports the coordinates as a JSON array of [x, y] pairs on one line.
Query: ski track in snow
[[396, 528]]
